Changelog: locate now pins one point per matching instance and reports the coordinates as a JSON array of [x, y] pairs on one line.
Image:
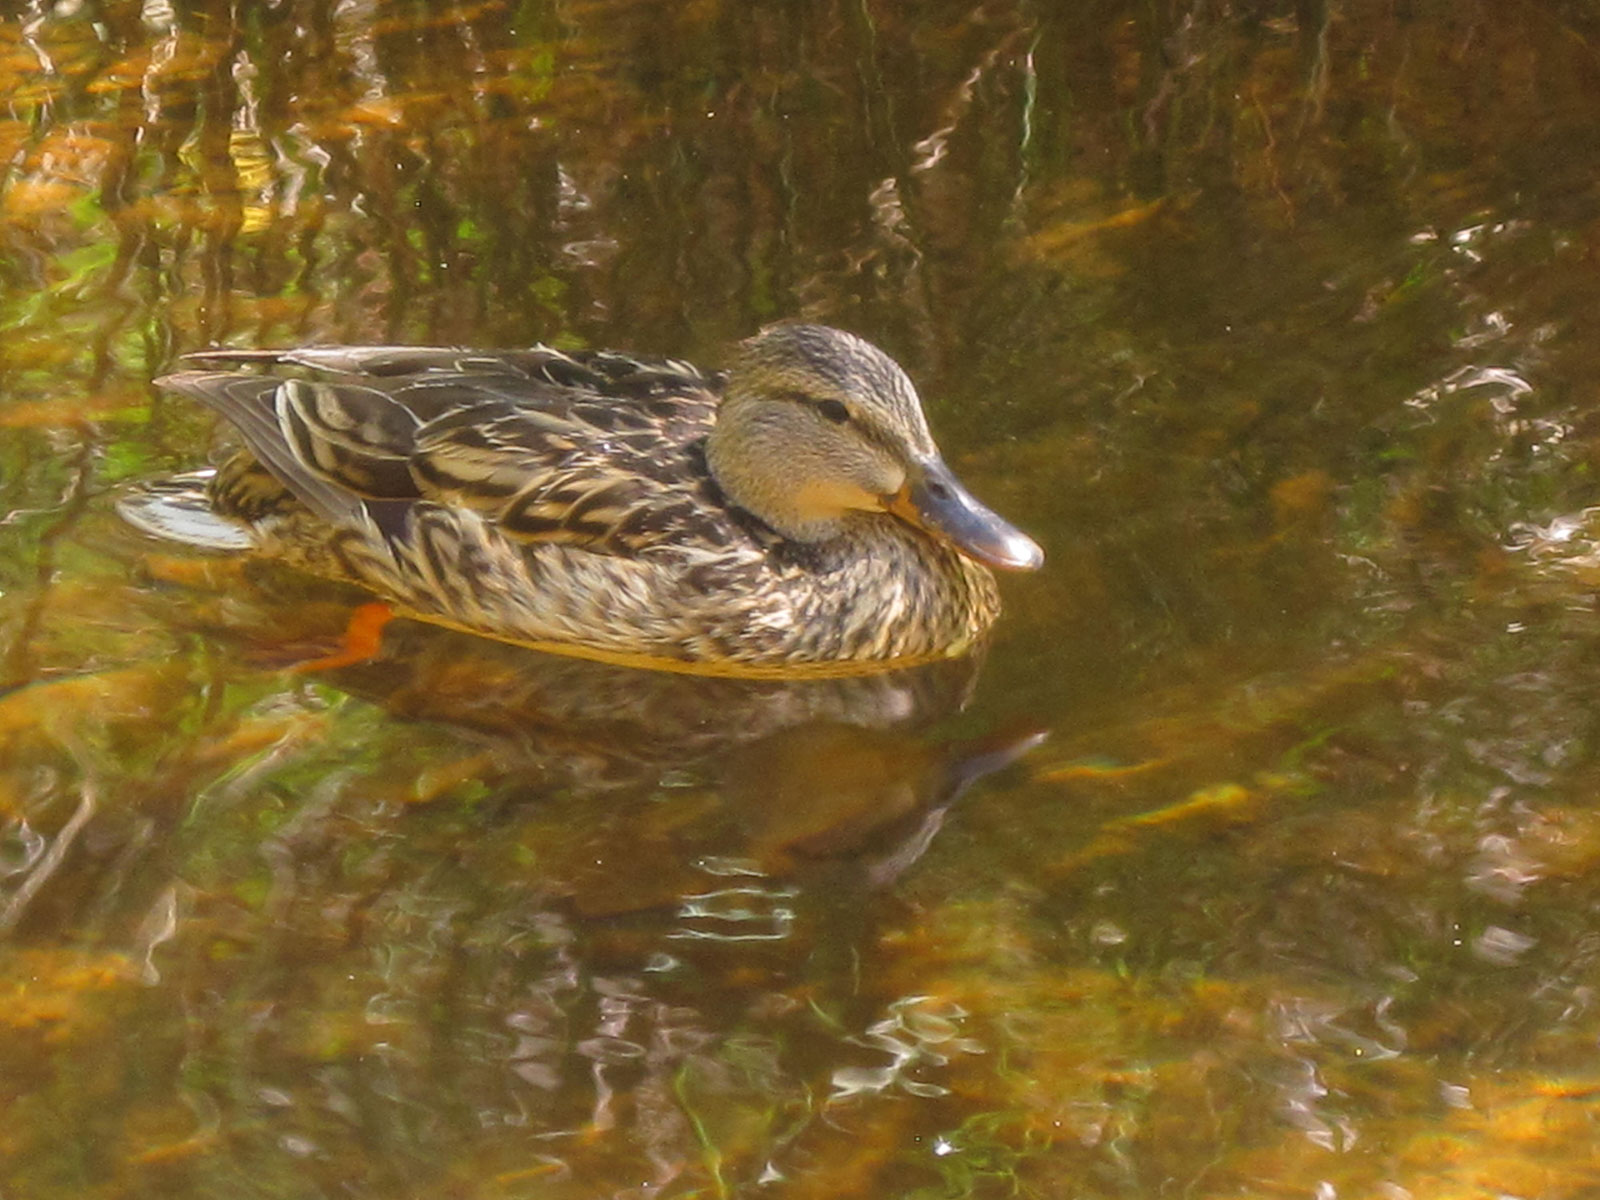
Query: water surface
[[1271, 321]]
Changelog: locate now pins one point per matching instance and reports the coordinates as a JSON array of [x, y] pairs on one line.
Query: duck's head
[[818, 426]]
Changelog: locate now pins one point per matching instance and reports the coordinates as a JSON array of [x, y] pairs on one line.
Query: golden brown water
[[1275, 324]]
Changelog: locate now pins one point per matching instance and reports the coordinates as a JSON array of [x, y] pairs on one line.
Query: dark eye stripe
[[833, 410]]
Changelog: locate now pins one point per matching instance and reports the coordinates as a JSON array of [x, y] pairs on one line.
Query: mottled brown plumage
[[619, 507]]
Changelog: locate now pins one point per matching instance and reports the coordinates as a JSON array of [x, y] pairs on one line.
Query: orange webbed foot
[[363, 638]]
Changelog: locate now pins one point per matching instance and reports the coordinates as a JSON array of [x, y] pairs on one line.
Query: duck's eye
[[834, 411]]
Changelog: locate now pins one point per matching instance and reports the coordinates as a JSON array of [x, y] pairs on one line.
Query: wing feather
[[353, 435], [615, 472], [246, 401], [595, 449]]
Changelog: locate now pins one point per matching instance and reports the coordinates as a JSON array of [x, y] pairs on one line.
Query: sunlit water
[[1271, 323]]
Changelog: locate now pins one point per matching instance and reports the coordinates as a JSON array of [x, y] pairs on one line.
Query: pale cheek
[[827, 499]]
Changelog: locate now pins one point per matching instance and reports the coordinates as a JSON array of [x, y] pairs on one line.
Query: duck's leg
[[363, 638]]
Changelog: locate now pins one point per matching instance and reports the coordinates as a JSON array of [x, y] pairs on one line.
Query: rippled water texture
[[1260, 856]]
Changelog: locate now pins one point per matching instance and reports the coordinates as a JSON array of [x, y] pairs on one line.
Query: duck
[[790, 514]]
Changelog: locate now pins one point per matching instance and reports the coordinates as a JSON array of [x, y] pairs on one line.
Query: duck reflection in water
[[774, 775]]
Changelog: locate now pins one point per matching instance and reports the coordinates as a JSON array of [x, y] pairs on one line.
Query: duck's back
[[598, 449]]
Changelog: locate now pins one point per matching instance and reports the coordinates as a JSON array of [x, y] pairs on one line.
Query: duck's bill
[[933, 499]]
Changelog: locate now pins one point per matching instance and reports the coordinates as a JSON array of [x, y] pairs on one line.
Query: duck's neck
[[760, 466], [902, 594]]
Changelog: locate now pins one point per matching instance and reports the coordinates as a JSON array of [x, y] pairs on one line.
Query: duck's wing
[[594, 449], [252, 404], [612, 474]]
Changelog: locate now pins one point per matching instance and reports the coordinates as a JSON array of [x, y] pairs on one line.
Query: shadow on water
[[1271, 318]]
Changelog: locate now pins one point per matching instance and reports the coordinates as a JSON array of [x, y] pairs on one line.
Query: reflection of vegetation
[[1270, 313]]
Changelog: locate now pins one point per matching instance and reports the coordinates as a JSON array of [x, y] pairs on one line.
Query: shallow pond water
[[1256, 856]]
